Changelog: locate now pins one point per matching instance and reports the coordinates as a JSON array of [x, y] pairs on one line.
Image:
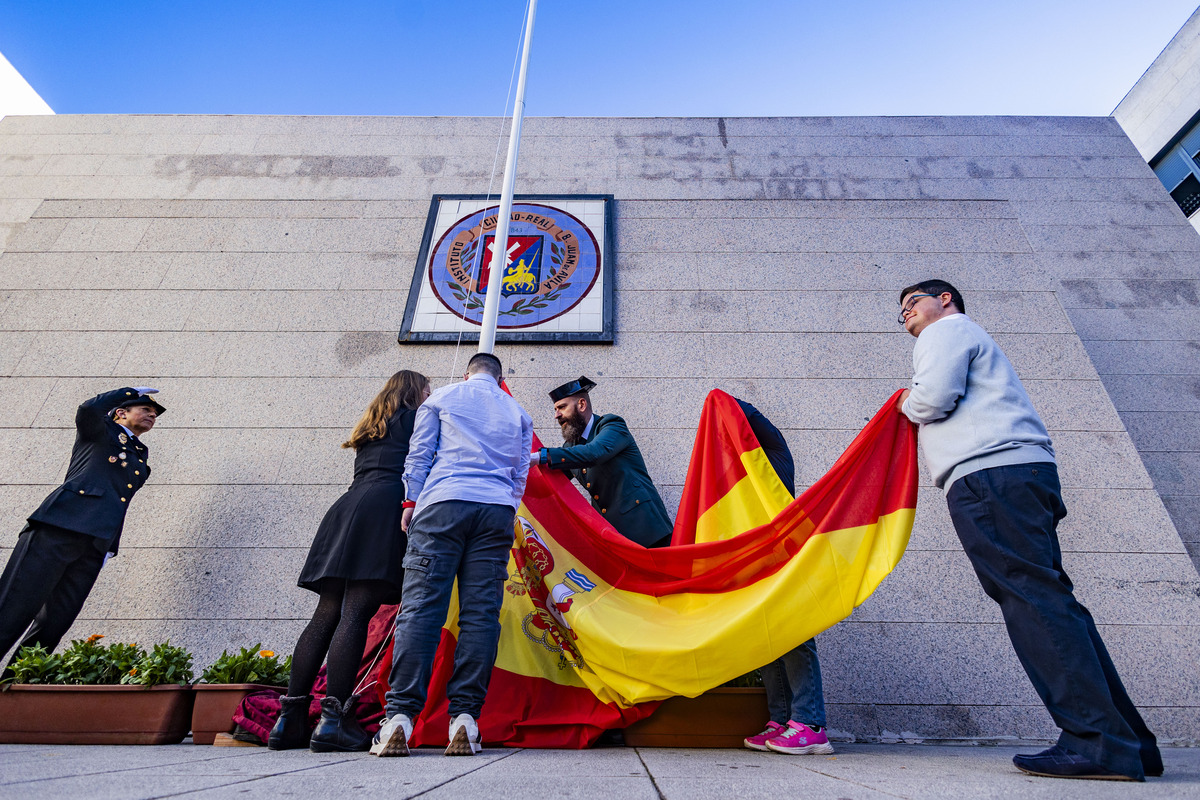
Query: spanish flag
[[596, 629]]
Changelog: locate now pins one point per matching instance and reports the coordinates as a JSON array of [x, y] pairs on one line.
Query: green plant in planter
[[749, 680], [164, 664], [249, 665], [86, 662], [34, 665]]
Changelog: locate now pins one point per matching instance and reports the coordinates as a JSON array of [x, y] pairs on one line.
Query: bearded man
[[600, 453]]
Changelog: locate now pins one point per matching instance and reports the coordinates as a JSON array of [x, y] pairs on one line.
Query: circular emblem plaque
[[552, 263]]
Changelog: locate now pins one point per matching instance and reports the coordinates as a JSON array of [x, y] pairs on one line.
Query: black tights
[[339, 628]]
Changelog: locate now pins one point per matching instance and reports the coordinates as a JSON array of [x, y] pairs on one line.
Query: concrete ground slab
[[854, 772]]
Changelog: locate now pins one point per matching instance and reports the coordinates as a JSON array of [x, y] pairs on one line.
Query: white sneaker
[[464, 736], [393, 736]]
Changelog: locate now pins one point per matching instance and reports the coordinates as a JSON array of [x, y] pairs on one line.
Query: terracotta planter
[[36, 714], [215, 704], [718, 718]]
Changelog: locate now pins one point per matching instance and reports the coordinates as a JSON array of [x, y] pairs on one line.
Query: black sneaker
[[1059, 762]]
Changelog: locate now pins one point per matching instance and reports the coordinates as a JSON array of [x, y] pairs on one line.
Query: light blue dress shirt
[[470, 441]]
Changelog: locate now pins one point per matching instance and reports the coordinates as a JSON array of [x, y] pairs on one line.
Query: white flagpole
[[491, 302]]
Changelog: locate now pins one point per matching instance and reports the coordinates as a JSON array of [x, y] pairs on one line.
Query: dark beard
[[572, 429]]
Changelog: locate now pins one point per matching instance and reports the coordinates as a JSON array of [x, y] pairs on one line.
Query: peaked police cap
[[580, 386], [141, 400]]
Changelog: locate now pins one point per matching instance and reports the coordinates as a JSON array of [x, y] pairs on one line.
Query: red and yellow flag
[[596, 629]]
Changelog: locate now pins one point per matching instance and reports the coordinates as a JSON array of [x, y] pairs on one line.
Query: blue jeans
[[449, 540], [793, 684]]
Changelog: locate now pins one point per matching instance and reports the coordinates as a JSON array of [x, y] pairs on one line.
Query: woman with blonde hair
[[355, 565]]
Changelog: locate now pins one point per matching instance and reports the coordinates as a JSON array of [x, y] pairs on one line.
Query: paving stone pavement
[[856, 772]]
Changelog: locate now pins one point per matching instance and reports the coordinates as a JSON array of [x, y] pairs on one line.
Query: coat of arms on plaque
[[556, 284]]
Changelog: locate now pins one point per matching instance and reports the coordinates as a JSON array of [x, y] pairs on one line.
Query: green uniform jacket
[[610, 466]]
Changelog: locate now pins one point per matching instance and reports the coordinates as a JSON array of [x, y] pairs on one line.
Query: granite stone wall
[[256, 269]]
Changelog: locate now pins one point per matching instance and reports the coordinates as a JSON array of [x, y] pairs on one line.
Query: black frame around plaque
[[608, 266]]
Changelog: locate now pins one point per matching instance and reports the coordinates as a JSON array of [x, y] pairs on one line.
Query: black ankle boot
[[291, 729], [339, 731]]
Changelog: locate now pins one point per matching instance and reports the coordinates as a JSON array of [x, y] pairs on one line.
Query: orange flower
[[133, 671], [266, 653], [95, 637]]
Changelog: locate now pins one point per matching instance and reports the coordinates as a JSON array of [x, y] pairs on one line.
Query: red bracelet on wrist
[[409, 504]]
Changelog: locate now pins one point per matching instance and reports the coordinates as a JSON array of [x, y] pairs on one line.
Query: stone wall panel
[[256, 270]]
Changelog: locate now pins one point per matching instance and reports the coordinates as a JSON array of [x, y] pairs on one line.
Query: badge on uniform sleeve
[[122, 438], [112, 459]]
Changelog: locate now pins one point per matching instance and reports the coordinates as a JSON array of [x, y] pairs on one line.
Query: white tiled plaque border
[[426, 319]]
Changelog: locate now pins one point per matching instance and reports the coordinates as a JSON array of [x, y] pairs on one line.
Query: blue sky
[[611, 58]]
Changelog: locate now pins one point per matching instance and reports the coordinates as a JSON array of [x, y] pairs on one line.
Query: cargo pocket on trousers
[[417, 569], [420, 562]]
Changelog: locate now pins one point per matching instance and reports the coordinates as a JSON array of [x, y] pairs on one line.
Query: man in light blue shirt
[[468, 459]]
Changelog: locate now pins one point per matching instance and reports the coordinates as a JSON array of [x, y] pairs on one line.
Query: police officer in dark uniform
[[601, 454], [68, 538]]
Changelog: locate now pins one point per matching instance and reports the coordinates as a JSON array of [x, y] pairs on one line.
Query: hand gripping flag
[[597, 629]]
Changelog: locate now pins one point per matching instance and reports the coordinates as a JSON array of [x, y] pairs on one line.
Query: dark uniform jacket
[[107, 467], [610, 466]]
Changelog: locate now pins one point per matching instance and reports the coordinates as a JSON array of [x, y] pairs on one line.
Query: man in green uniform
[[600, 453]]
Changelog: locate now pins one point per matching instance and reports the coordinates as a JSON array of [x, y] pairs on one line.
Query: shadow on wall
[[355, 347], [240, 574]]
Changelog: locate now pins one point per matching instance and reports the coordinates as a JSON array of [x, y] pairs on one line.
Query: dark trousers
[[1006, 519], [452, 540], [46, 581]]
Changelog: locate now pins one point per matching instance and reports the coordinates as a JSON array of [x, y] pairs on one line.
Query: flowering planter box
[[215, 704], [57, 714], [718, 718]]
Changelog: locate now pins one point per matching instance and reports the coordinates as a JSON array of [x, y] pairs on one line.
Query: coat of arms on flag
[[595, 629]]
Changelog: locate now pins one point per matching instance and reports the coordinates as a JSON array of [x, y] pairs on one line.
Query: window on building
[[1187, 195], [1179, 171]]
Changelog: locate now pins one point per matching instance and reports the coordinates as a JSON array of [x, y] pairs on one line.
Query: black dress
[[360, 538]]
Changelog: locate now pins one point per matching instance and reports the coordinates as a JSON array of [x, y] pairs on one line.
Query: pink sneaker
[[759, 741], [799, 740]]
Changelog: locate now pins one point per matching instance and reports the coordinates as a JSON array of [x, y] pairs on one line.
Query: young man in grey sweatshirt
[[988, 449]]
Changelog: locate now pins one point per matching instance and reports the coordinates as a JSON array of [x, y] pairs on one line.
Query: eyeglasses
[[912, 301]]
